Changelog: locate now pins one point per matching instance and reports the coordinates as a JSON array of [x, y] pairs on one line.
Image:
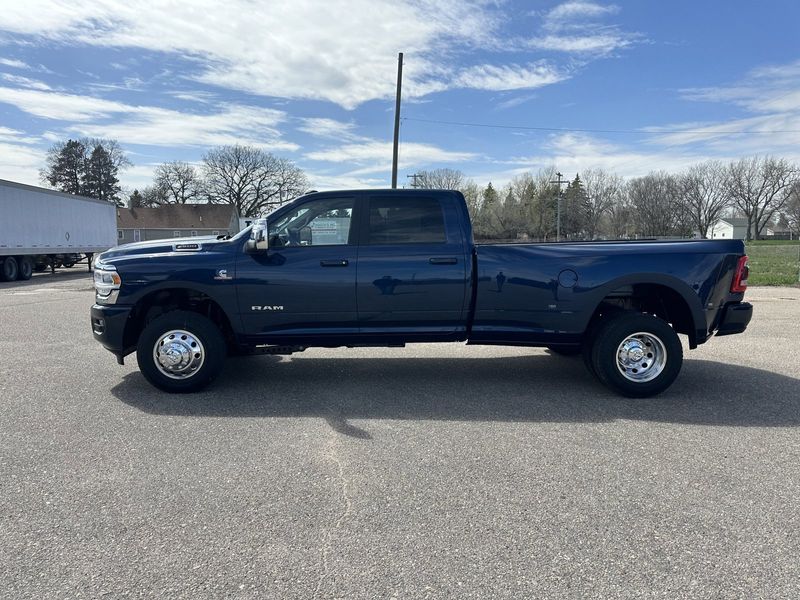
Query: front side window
[[406, 221], [324, 222]]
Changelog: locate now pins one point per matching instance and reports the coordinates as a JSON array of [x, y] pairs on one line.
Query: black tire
[[9, 269], [565, 350], [198, 329], [652, 362], [25, 268]]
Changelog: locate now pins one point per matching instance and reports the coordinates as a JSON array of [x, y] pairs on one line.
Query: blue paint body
[[453, 290]]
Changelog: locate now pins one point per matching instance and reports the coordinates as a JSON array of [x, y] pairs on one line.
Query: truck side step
[[277, 349]]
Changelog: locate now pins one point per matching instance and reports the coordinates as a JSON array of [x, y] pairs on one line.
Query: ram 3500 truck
[[391, 267]]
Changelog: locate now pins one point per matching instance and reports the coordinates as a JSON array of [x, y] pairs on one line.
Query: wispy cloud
[[578, 28], [148, 125], [375, 156], [510, 77], [310, 51], [566, 14], [24, 81], [329, 128], [16, 64], [20, 156]]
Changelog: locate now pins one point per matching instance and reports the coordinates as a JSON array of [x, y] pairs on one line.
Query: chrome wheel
[[641, 357], [178, 354]]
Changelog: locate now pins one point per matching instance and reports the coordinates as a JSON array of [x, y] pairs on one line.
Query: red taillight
[[739, 284]]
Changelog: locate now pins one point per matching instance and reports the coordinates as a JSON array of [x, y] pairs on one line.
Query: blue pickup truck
[[391, 267]]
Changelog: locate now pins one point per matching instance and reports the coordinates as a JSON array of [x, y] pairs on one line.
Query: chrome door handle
[[443, 260], [333, 263]]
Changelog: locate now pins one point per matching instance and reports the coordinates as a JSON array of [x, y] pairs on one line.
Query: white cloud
[[233, 124], [148, 125], [600, 43], [16, 64], [290, 49], [770, 99], [509, 77], [568, 12], [20, 158], [375, 156], [577, 28], [59, 106], [299, 49], [329, 128], [25, 81]]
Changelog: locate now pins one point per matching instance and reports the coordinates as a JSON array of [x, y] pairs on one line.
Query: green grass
[[774, 262]]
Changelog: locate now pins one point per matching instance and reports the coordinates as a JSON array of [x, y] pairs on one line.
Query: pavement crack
[[347, 506]]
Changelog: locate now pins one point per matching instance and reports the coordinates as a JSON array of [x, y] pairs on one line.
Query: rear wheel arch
[[672, 301]]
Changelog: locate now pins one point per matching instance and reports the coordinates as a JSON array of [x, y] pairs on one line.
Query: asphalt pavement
[[434, 471]]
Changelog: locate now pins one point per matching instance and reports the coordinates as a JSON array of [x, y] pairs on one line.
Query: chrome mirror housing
[[259, 236]]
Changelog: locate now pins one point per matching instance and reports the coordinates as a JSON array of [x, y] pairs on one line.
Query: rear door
[[412, 268]]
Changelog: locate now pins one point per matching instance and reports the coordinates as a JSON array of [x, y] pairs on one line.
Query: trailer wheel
[[181, 351], [25, 268], [10, 269], [636, 355]]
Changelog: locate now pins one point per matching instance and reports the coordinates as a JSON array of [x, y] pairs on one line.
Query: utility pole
[[413, 180], [559, 181], [397, 119]]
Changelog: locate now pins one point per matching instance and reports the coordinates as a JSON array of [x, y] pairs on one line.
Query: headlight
[[106, 284]]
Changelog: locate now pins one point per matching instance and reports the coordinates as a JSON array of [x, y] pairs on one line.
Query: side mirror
[[259, 236]]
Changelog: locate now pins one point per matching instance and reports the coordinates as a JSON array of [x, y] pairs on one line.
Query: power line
[[586, 130]]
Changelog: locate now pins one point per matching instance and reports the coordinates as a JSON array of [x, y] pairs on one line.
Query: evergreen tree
[[101, 176], [66, 167], [86, 167], [572, 207], [135, 200]]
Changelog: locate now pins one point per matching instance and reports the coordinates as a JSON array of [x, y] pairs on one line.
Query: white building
[[729, 228]]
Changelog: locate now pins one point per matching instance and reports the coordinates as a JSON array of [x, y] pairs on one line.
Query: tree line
[[248, 178], [595, 204]]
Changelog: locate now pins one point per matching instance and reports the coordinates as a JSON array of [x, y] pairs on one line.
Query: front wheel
[[636, 355], [181, 351]]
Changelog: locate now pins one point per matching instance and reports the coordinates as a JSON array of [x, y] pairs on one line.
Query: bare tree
[[791, 209], [178, 181], [705, 194], [602, 191], [760, 187], [250, 179], [618, 223], [656, 203], [472, 195], [440, 179], [150, 197]]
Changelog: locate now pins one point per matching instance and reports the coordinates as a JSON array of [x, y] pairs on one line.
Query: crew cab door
[[412, 267], [304, 285]]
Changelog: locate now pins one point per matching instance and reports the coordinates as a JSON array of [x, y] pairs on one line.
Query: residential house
[[729, 228], [175, 220]]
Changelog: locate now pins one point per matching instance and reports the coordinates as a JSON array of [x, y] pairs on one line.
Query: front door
[[304, 285]]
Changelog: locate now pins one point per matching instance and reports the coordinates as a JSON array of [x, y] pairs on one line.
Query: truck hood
[[165, 246]]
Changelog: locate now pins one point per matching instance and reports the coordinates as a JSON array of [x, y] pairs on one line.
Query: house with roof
[[729, 228], [175, 220]]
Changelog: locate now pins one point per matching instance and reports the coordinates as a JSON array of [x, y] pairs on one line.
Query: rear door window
[[406, 221]]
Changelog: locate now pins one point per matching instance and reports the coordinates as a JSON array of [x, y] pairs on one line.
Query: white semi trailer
[[41, 228]]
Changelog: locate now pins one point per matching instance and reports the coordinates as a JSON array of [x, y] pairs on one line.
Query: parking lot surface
[[441, 471]]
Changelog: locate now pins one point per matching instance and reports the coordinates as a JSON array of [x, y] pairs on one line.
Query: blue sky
[[626, 86]]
